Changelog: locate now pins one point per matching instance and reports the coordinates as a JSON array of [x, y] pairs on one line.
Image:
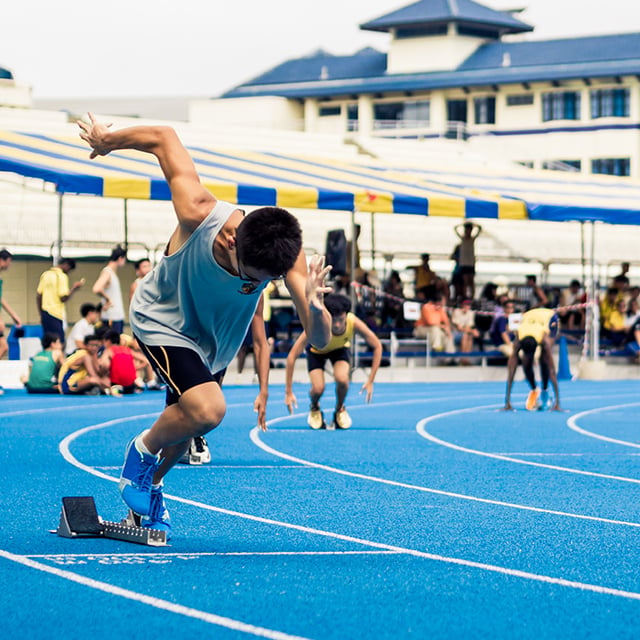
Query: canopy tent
[[261, 178]]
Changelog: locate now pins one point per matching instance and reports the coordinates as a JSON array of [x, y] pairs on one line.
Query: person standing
[[191, 313], [52, 295], [467, 232], [107, 286], [142, 267], [5, 262]]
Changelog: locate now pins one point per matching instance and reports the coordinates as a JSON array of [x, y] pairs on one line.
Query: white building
[[461, 70]]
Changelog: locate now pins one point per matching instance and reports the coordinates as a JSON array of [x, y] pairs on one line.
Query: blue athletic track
[[437, 515]]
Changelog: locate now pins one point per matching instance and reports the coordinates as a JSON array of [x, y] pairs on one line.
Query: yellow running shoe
[[532, 400], [341, 419], [315, 419]]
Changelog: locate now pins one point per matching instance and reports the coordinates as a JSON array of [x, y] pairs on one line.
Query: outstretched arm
[[307, 288], [374, 342], [298, 347], [191, 201], [262, 359]]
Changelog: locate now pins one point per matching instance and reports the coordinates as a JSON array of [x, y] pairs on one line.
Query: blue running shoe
[[136, 478], [544, 400], [158, 517]]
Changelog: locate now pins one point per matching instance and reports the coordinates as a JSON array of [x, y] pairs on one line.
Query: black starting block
[[80, 519]]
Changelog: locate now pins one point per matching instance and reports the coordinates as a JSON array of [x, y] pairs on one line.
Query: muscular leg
[[199, 410], [316, 377], [527, 367], [341, 375], [544, 373]]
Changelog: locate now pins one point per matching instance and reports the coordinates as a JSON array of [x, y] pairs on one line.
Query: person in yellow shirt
[[81, 372], [343, 326], [538, 329], [52, 294]]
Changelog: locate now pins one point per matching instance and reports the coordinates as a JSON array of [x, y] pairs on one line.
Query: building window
[[611, 166], [610, 103], [520, 99], [485, 110], [412, 113], [325, 112], [352, 117], [562, 105], [562, 165]]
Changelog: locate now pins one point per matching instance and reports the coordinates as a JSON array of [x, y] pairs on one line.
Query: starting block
[[80, 519]]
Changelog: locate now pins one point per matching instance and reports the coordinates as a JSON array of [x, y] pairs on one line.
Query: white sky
[[135, 48]]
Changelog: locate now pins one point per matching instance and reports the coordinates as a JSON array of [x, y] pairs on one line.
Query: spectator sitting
[[44, 366], [119, 361], [572, 318], [608, 305], [614, 327], [501, 337], [464, 330], [81, 373], [146, 374], [84, 327], [434, 325]]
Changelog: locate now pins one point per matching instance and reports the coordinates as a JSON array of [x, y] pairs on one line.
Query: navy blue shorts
[[318, 360], [179, 368]]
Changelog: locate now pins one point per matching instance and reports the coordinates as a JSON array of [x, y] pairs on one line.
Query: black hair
[[48, 339], [528, 345], [5, 254], [270, 239], [70, 261], [137, 263], [112, 336], [87, 308], [337, 304], [91, 338], [117, 253]]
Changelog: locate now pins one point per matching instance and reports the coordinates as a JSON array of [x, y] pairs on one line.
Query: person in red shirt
[[119, 361]]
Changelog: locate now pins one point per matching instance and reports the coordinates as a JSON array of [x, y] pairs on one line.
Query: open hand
[[94, 135]]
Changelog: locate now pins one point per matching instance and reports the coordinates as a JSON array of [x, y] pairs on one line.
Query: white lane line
[[572, 423], [158, 603], [583, 586], [420, 428], [255, 437], [204, 554]]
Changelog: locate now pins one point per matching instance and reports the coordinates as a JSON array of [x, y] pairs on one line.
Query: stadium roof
[[260, 178], [324, 75], [430, 13]]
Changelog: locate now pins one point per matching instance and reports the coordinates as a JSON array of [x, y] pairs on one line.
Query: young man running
[[538, 328], [191, 313], [343, 325]]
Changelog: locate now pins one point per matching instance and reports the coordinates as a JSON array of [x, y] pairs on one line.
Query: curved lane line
[[158, 603], [420, 428], [255, 438], [572, 423], [360, 541]]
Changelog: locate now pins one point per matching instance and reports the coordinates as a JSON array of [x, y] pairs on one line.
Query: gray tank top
[[189, 300]]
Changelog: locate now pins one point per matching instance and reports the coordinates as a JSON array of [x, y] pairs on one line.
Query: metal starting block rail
[[80, 519]]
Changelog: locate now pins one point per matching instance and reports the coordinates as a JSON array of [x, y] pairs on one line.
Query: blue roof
[[366, 63], [5, 74], [532, 61], [428, 13]]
